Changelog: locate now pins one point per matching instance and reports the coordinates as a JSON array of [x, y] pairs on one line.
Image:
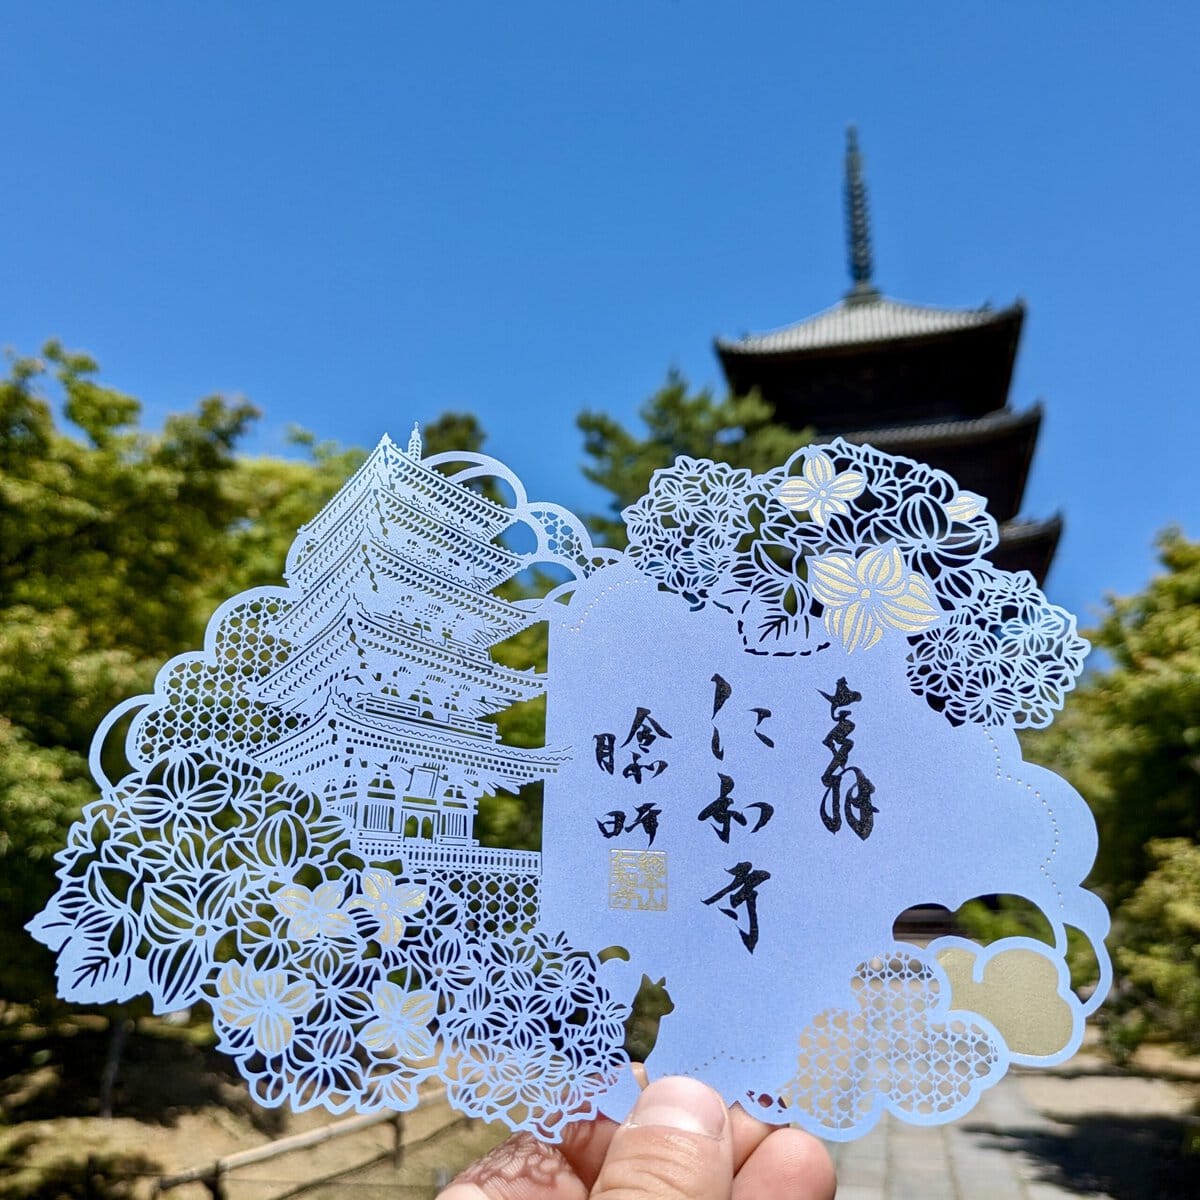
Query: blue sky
[[362, 214]]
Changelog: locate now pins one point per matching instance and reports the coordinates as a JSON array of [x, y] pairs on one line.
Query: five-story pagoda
[[928, 383]]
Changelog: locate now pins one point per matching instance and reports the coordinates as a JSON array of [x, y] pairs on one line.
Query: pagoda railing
[[439, 856]]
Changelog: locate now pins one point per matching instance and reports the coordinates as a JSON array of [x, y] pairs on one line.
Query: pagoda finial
[[858, 230], [414, 442]]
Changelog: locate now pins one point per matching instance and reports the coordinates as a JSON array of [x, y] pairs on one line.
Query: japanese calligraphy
[[644, 731], [646, 818], [722, 812], [743, 893], [845, 786]]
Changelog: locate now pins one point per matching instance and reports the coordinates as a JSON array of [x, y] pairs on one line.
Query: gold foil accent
[[637, 879], [1018, 994]]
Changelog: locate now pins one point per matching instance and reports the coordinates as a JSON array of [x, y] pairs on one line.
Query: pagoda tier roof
[[474, 614], [875, 362], [989, 455], [471, 561], [406, 712], [458, 663], [858, 321], [1027, 545], [388, 468], [356, 638], [354, 734], [495, 619], [464, 561]]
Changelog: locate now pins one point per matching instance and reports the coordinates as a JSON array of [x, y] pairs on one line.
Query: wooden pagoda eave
[[949, 375], [990, 455], [1028, 546], [1010, 318], [983, 431]]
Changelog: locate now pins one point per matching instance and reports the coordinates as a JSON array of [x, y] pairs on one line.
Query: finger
[[748, 1134], [585, 1145], [788, 1164], [677, 1144], [521, 1168]]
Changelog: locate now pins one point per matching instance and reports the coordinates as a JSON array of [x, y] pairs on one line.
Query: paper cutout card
[[782, 717]]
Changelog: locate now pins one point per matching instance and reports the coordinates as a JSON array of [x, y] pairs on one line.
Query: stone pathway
[[964, 1161], [1083, 1130], [1034, 1137]]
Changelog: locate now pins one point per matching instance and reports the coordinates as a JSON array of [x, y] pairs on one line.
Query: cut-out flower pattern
[[867, 595], [265, 1002], [313, 912], [965, 506], [350, 989], [402, 1026], [389, 902], [821, 490]]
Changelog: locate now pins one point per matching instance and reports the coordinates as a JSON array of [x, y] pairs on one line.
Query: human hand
[[679, 1143]]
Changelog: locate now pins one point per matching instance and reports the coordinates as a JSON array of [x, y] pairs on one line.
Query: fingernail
[[677, 1102]]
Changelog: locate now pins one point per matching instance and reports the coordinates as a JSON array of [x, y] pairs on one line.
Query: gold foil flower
[[265, 1002], [313, 912], [820, 491], [403, 1022], [390, 904], [864, 596]]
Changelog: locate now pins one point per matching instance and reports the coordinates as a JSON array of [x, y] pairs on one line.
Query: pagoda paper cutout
[[389, 677]]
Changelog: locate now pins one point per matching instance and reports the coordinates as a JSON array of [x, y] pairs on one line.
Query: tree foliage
[[1129, 740], [741, 431], [1159, 946], [116, 543]]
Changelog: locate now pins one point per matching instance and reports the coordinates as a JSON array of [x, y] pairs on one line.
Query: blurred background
[[240, 243]]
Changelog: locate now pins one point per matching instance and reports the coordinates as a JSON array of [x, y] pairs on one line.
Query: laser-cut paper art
[[782, 717]]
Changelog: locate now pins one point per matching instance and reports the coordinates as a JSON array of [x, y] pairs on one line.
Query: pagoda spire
[[414, 442], [858, 229]]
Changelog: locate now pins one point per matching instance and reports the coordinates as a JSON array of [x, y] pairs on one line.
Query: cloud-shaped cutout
[[902, 1044], [1020, 988]]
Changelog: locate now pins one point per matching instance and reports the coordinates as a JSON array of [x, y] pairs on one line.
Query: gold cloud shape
[[1018, 994]]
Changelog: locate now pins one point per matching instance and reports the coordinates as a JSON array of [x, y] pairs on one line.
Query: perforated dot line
[[608, 591], [1044, 865]]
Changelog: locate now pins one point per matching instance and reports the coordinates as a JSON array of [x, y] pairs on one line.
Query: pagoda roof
[[981, 429], [990, 455], [858, 321], [511, 765], [1027, 545], [499, 619], [375, 640], [353, 731], [388, 469]]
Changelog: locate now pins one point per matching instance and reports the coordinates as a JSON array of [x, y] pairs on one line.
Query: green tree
[[1158, 950], [110, 538], [1129, 740], [116, 543], [741, 431]]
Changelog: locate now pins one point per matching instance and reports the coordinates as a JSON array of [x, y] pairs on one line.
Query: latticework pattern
[[900, 1047]]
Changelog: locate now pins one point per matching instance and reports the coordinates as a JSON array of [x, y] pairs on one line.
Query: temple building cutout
[[389, 679], [928, 383]]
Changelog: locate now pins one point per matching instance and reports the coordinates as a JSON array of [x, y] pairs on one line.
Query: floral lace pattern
[[847, 545]]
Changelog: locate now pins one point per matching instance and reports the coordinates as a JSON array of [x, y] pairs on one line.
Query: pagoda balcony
[[417, 856]]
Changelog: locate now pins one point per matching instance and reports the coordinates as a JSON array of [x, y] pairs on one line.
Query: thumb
[[676, 1145]]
